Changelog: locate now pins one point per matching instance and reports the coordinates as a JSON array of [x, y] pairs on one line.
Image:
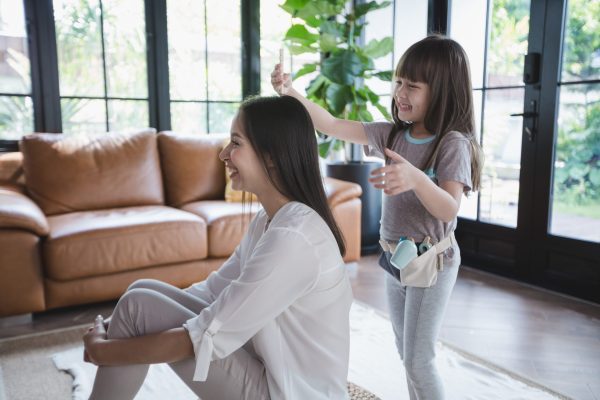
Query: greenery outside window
[[16, 107], [204, 64], [101, 47], [495, 37]]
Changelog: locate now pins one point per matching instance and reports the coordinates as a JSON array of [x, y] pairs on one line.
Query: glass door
[[563, 228], [536, 81], [575, 208], [495, 45]]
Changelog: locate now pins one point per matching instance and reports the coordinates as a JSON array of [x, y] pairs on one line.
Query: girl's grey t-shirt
[[403, 214]]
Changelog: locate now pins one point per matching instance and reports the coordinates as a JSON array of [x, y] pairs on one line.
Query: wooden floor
[[548, 338]]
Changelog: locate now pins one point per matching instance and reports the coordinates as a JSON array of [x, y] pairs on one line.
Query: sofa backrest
[[65, 173], [191, 167]]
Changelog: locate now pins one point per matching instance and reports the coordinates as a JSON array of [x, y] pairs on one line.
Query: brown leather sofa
[[81, 217]]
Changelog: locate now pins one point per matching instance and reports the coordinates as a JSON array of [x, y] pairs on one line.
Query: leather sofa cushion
[[226, 224], [67, 173], [94, 243], [22, 281], [338, 191], [11, 168], [191, 167], [17, 211]]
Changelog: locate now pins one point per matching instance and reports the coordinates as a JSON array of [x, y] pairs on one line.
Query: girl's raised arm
[[351, 131]]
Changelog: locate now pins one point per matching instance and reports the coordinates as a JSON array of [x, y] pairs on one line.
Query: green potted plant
[[333, 29]]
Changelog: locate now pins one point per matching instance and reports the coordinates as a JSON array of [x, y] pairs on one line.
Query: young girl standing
[[432, 158]]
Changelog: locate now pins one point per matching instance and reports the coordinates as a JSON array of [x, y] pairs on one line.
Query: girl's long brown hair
[[441, 63]]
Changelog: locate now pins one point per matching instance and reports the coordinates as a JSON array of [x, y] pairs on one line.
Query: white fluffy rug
[[374, 365]]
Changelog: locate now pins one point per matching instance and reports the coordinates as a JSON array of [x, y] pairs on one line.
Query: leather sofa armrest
[[18, 211], [338, 191]]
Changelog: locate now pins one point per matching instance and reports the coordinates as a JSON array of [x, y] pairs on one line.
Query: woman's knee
[[136, 296], [130, 308], [143, 284]]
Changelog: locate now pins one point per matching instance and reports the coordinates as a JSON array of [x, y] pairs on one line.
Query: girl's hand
[[281, 82], [398, 177], [92, 339]]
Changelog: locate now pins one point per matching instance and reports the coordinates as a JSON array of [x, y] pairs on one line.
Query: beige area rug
[[27, 369]]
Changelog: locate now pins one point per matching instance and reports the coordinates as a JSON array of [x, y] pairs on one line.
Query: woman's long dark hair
[[282, 133], [443, 64]]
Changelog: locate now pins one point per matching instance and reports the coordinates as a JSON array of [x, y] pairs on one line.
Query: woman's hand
[[93, 339], [398, 177], [281, 82]]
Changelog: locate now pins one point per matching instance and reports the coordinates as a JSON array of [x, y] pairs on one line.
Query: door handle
[[528, 114], [529, 130]]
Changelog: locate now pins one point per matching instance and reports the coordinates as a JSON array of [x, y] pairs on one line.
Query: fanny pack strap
[[441, 247]]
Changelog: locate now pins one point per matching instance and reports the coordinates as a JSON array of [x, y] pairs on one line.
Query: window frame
[[45, 92]]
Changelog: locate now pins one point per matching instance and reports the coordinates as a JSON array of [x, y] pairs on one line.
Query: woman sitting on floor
[[273, 321]]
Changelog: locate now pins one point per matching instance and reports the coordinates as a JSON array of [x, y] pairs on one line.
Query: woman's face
[[412, 99], [243, 165]]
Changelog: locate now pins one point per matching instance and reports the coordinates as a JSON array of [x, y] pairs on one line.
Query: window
[[101, 47], [495, 49], [380, 24], [274, 23], [576, 178], [204, 64], [16, 106]]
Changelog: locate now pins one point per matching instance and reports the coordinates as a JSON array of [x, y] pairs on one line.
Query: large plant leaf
[[384, 75], [292, 6], [300, 35], [321, 8], [331, 33], [379, 48], [333, 28], [328, 43], [365, 8], [342, 67], [313, 21], [306, 69], [337, 97], [367, 61], [325, 147], [371, 95], [360, 96], [315, 85], [296, 49], [374, 99], [383, 111], [365, 115]]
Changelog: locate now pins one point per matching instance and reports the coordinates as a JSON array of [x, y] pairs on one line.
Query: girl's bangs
[[417, 64]]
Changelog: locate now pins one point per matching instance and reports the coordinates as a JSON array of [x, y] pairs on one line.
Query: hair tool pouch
[[422, 271]]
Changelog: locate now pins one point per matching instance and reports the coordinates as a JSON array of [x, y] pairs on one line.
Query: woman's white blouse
[[286, 290]]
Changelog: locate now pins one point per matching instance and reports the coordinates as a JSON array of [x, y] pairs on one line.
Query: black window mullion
[[206, 66], [250, 20], [158, 64], [44, 65], [488, 30], [104, 73], [547, 127], [437, 16]]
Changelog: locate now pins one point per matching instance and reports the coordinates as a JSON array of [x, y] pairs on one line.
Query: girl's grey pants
[[417, 315], [151, 306]]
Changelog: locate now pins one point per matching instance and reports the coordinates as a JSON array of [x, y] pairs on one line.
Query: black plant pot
[[359, 172]]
